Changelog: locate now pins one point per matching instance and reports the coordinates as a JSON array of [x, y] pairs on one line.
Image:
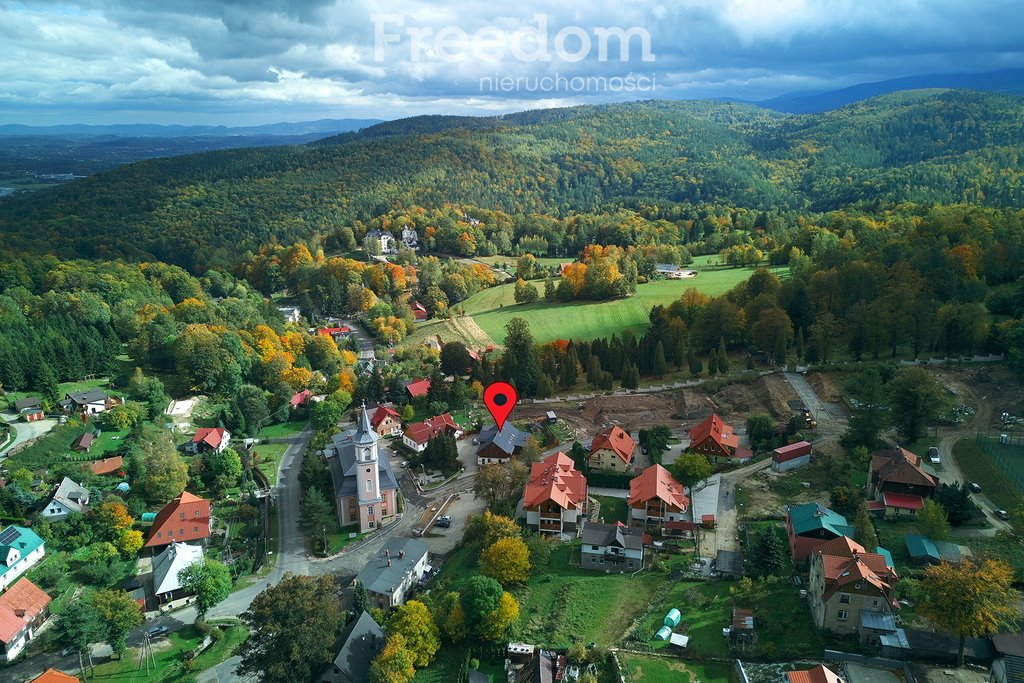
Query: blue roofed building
[[20, 550]]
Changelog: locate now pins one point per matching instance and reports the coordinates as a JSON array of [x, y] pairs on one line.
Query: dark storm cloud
[[318, 57]]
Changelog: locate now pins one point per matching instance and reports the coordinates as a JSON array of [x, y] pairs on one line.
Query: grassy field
[[169, 663], [637, 668], [492, 308], [613, 509], [270, 457], [568, 605], [282, 430], [67, 388], [978, 466]]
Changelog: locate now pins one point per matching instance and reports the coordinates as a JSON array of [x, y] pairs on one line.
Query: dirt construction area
[[735, 403]]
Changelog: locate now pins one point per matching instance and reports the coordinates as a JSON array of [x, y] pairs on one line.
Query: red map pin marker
[[500, 398]]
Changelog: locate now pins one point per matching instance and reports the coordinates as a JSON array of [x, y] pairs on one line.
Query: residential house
[[23, 406], [361, 640], [54, 676], [339, 333], [810, 525], [670, 271], [555, 497], [167, 566], [214, 439], [819, 674], [1008, 666], [417, 388], [655, 497], [791, 456], [897, 480], [386, 421], [385, 238], [393, 571], [419, 311], [105, 466], [186, 518], [66, 498], [300, 398], [846, 580], [418, 434], [20, 550], [292, 314], [718, 441], [83, 444], [410, 238], [23, 609], [526, 664], [89, 402], [612, 450], [612, 548], [365, 487], [498, 447]]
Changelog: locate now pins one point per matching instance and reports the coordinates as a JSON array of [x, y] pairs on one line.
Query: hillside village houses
[[898, 484], [612, 547], [23, 609], [810, 525], [365, 486], [67, 497], [167, 567], [418, 434], [718, 441], [846, 582], [214, 439], [612, 450], [360, 641], [20, 550], [499, 447], [386, 421], [291, 314], [393, 571], [655, 497], [186, 518], [91, 402], [555, 497], [386, 240], [410, 238]]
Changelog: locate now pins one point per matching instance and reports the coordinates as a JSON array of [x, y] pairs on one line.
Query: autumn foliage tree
[[507, 561], [970, 599], [396, 663], [414, 622]]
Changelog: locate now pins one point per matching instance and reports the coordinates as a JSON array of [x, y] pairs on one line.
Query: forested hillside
[[680, 157]]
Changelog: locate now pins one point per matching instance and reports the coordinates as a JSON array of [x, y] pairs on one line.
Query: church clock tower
[[367, 473]]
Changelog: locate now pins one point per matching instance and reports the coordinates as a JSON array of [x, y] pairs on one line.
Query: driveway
[[26, 430]]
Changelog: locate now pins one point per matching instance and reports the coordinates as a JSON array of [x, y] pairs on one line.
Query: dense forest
[[678, 162]]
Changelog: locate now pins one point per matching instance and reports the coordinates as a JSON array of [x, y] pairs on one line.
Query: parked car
[[1002, 514], [157, 631], [933, 455], [975, 486], [444, 521]]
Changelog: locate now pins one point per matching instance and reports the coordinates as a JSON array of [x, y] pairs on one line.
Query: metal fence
[[1007, 452]]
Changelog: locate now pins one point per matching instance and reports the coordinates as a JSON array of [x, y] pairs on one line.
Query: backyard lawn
[[637, 668], [270, 455], [282, 430], [613, 509], [168, 655]]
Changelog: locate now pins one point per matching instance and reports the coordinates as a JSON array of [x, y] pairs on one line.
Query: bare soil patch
[[824, 387], [769, 394]]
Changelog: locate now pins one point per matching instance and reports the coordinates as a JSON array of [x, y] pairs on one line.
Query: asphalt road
[[26, 430]]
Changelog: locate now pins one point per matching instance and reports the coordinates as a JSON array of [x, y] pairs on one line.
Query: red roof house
[[419, 311], [54, 676], [23, 609], [107, 465], [385, 421], [186, 518], [555, 497], [300, 398], [718, 441], [335, 333], [897, 479], [846, 580], [819, 674], [418, 434], [417, 388], [210, 439], [656, 497], [612, 449]]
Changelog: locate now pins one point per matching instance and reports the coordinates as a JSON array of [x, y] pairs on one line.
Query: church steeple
[[364, 436]]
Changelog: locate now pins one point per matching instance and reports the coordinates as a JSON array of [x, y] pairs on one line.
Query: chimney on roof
[[387, 552], [401, 554], [389, 562]]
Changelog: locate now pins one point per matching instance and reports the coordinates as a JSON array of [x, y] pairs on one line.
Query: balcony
[[549, 525]]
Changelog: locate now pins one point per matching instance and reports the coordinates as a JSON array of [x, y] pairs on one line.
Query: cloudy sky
[[246, 62]]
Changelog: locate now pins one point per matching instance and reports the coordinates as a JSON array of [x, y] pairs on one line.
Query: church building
[[365, 487]]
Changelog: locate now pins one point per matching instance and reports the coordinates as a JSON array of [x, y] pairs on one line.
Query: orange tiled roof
[[169, 519], [819, 674], [617, 439], [107, 465], [211, 436], [54, 676], [19, 605], [719, 431], [422, 432], [656, 482], [555, 478], [380, 414]]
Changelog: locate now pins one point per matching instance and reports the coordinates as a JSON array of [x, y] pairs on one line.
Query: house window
[[181, 515], [842, 615], [874, 603], [170, 532], [844, 598], [196, 514], [369, 486], [595, 547], [383, 512], [372, 525], [195, 529], [159, 534], [369, 511]]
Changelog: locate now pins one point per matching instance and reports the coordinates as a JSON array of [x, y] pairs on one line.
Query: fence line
[[991, 448]]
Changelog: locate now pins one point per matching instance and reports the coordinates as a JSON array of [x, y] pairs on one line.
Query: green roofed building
[[20, 550], [922, 549], [810, 525]]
